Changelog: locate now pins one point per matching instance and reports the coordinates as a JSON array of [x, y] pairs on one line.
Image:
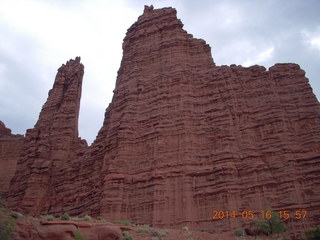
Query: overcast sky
[[37, 37]]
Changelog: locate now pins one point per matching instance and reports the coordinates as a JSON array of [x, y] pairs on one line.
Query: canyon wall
[[181, 138]]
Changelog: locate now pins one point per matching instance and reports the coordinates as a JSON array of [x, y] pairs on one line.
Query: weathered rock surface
[[10, 146], [50, 148], [4, 131], [33, 229], [181, 138]]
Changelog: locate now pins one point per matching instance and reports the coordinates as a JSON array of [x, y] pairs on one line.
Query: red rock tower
[[50, 147], [183, 137]]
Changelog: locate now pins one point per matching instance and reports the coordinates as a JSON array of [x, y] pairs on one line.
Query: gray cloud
[[239, 31]]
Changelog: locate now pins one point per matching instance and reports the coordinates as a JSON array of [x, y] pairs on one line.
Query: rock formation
[[4, 131], [32, 229], [181, 138], [50, 147], [10, 146]]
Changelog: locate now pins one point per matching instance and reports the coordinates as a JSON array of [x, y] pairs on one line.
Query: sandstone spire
[[51, 144]]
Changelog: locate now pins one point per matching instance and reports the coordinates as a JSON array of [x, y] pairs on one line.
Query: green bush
[[65, 216], [163, 234], [271, 226], [126, 235], [6, 224], [125, 223], [48, 217], [100, 218], [78, 236], [239, 232], [313, 233], [87, 218]]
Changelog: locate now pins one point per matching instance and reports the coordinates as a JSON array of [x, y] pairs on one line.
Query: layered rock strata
[[10, 146], [33, 229], [50, 150], [181, 138]]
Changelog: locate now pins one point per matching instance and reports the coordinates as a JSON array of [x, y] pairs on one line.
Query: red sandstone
[[181, 138], [10, 146]]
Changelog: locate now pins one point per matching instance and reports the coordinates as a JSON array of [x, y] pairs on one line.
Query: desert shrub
[[126, 235], [87, 218], [271, 226], [100, 218], [313, 233], [239, 232], [144, 229], [125, 223], [6, 224], [185, 228], [78, 236], [202, 230], [154, 232], [15, 214], [2, 198], [159, 235], [188, 234], [48, 217], [65, 216], [163, 234]]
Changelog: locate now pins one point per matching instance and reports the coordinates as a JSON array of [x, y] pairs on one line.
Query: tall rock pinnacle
[[50, 145], [62, 107]]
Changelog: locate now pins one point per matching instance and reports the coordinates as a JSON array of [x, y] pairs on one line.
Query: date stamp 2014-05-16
[[248, 214]]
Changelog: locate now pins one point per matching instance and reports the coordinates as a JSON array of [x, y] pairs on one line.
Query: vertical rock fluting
[[10, 146], [150, 119], [50, 147], [181, 138]]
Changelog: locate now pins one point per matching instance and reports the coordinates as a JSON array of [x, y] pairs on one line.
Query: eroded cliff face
[[181, 138], [10, 146]]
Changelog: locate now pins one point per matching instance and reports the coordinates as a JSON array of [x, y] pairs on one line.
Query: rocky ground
[[30, 228], [16, 226]]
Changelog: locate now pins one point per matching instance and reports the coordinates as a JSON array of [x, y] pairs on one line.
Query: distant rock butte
[[181, 138]]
